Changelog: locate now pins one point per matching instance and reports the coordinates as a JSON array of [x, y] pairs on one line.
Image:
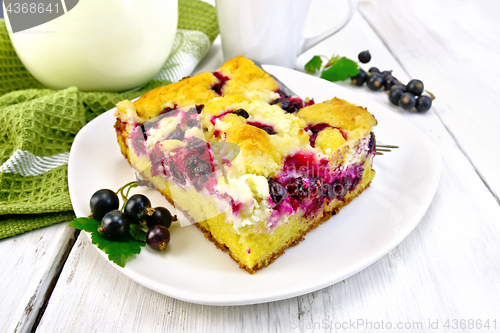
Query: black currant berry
[[158, 238], [340, 187], [296, 189], [389, 82], [277, 191], [294, 105], [177, 134], [373, 70], [115, 225], [416, 87], [423, 104], [407, 101], [199, 108], [268, 129], [359, 79], [160, 216], [401, 85], [242, 113], [372, 143], [198, 145], [136, 207], [395, 94], [348, 183], [198, 169], [101, 202], [364, 56], [386, 74], [327, 190], [336, 190], [374, 82]]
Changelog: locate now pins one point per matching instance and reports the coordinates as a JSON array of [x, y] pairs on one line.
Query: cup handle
[[311, 41]]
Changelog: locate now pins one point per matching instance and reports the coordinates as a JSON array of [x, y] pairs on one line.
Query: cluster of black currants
[[115, 224], [407, 96]]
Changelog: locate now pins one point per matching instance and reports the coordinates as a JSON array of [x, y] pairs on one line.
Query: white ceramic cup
[[111, 45], [269, 31]]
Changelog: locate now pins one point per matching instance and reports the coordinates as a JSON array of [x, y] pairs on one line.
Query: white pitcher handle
[[311, 41]]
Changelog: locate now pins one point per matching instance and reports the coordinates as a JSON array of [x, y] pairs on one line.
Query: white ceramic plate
[[194, 270]]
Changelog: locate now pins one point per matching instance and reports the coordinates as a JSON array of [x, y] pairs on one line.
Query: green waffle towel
[[38, 125]]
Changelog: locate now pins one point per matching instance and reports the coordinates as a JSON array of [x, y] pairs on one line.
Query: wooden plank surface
[[454, 47], [30, 264], [447, 268]]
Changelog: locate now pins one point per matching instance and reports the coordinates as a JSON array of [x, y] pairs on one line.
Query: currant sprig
[[119, 232], [409, 97]]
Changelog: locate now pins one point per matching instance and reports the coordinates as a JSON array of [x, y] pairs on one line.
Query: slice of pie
[[252, 168]]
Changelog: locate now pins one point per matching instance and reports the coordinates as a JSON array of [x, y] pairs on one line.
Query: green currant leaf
[[313, 65], [137, 232], [85, 223], [340, 69], [118, 251]]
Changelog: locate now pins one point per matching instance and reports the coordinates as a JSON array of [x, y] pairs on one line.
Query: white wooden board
[[446, 269]]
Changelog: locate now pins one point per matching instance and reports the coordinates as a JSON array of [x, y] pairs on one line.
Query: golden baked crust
[[197, 89], [189, 91], [245, 76], [354, 120]]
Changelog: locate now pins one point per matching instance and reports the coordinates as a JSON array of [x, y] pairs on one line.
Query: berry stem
[[431, 95], [327, 60], [330, 62], [324, 56], [120, 190], [125, 196], [128, 190]]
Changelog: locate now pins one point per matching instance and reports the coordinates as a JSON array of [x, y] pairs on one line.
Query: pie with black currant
[[254, 169]]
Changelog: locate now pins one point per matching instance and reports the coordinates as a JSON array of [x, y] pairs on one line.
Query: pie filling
[[174, 146]]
